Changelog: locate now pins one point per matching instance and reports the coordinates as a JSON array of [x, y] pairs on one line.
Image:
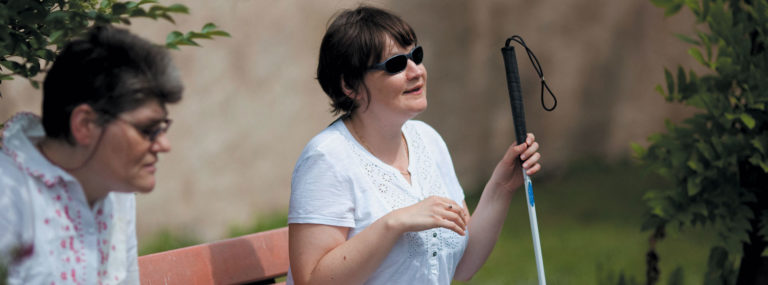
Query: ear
[[83, 125], [347, 90]]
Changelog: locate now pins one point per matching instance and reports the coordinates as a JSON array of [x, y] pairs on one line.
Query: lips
[[414, 90], [150, 166]]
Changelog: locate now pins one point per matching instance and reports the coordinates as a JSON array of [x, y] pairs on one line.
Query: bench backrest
[[256, 258]]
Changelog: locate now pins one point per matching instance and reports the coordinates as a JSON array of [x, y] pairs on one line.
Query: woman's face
[[399, 96], [126, 155]]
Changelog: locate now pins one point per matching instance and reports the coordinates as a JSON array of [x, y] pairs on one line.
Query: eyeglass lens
[[398, 63], [153, 132]]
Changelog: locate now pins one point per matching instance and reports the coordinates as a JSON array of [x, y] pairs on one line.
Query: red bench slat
[[249, 258]]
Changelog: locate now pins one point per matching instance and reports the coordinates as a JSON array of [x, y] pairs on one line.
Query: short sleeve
[[319, 192]]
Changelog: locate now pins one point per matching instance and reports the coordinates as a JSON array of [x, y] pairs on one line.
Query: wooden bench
[[251, 259]]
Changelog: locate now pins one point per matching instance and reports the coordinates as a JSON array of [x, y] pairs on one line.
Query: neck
[[75, 160], [384, 139]]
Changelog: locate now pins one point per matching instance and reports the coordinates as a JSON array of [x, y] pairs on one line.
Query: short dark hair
[[111, 70], [352, 43]]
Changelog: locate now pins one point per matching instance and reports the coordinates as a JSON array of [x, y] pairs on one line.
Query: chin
[[144, 186]]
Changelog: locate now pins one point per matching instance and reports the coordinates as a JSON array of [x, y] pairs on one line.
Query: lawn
[[589, 222]]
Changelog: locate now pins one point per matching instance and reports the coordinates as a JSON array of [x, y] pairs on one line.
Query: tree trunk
[[753, 269]]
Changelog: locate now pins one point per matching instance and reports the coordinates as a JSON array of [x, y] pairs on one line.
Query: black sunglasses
[[397, 63]]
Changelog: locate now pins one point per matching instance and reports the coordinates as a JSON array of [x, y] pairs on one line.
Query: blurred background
[[251, 104]]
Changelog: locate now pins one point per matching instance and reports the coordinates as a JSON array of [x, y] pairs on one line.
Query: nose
[[413, 70], [161, 144]]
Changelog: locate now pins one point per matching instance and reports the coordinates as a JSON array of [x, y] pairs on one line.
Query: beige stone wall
[[251, 101]]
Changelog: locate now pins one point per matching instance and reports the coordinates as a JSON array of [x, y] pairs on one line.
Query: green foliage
[[260, 224], [720, 270], [167, 240], [32, 31], [706, 155]]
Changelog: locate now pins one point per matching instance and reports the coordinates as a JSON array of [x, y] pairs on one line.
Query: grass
[[589, 221]]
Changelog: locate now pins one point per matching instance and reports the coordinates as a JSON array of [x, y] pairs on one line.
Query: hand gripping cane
[[518, 114]]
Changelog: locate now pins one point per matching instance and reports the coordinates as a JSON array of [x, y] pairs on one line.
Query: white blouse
[[337, 182], [48, 233]]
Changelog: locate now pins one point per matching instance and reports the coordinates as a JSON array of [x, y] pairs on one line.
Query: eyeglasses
[[152, 131], [397, 63]]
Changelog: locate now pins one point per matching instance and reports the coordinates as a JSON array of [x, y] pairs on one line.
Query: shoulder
[[11, 176], [426, 132], [331, 144], [422, 128]]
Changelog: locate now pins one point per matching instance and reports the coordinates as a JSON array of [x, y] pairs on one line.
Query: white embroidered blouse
[[337, 182], [48, 233]]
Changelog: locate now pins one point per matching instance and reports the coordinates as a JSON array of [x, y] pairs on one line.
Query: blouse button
[[434, 253], [434, 234]]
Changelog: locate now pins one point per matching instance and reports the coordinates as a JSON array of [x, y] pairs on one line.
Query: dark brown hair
[[111, 70], [352, 43]]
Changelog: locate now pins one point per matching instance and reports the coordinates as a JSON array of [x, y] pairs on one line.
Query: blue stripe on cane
[[530, 192]]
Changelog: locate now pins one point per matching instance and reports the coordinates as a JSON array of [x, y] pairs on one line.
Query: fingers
[[513, 152], [450, 215], [454, 219], [533, 170], [530, 139], [451, 226], [533, 148]]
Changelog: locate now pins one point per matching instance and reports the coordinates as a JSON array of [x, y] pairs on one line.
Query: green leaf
[[638, 149], [693, 5], [119, 9], [696, 53], [758, 161], [706, 150], [208, 27], [56, 36], [167, 17], [671, 10], [760, 143], [670, 83], [694, 164], [195, 35], [173, 37], [687, 39], [681, 81], [218, 33], [178, 8], [11, 65], [694, 186], [748, 120]]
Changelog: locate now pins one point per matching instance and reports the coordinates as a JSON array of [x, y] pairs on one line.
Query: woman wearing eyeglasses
[[374, 197], [67, 181]]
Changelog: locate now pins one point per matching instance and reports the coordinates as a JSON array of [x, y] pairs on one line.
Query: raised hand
[[507, 173]]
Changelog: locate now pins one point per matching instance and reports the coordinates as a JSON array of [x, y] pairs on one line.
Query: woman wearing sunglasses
[[374, 197], [67, 181]]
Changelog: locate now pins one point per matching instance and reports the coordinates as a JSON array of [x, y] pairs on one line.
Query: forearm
[[354, 260], [484, 229]]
